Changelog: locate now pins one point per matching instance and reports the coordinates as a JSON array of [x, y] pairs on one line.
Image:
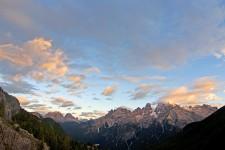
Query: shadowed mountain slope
[[206, 134]]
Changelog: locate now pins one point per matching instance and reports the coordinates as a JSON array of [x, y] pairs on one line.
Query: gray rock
[[18, 139], [9, 105]]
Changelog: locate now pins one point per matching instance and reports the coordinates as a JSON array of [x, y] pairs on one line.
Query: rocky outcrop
[[15, 138], [37, 114], [9, 105]]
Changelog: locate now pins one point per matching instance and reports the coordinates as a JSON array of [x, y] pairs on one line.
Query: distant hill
[[206, 134]]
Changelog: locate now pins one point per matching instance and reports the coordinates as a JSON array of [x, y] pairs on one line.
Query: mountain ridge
[[206, 134], [125, 129], [58, 117]]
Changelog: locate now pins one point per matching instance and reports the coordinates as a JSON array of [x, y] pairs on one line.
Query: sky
[[87, 57]]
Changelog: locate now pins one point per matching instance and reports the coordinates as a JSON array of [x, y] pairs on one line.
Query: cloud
[[203, 90], [18, 87], [77, 79], [96, 99], [14, 14], [90, 70], [23, 100], [16, 78], [92, 115], [41, 108], [144, 90], [184, 33], [15, 55], [109, 90], [220, 54], [134, 79], [36, 58], [75, 83], [77, 108], [61, 102]]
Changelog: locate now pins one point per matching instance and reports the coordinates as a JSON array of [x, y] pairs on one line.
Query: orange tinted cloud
[[23, 100], [37, 54], [203, 90], [15, 55], [109, 90], [77, 78]]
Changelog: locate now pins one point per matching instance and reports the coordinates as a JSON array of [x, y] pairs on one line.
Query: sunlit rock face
[[173, 114], [202, 110], [70, 118]]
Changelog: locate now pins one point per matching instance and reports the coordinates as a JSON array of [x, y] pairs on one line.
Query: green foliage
[[48, 131]]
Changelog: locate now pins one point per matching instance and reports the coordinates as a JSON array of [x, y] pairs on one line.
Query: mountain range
[[125, 129], [156, 127]]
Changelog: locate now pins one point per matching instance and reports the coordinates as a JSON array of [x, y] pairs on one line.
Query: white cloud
[[62, 102], [134, 79], [92, 115], [92, 70], [144, 90]]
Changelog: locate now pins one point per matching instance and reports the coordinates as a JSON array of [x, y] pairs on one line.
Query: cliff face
[[14, 138], [9, 105]]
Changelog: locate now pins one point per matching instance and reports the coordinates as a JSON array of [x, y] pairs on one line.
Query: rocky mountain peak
[[163, 107], [58, 117], [56, 114], [202, 110], [36, 114], [69, 117], [137, 110], [148, 105]]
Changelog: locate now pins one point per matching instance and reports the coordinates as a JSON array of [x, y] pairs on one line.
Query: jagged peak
[[69, 115], [137, 109], [148, 105], [123, 109], [54, 113]]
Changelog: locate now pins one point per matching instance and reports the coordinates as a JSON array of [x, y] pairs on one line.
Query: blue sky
[[87, 57]]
